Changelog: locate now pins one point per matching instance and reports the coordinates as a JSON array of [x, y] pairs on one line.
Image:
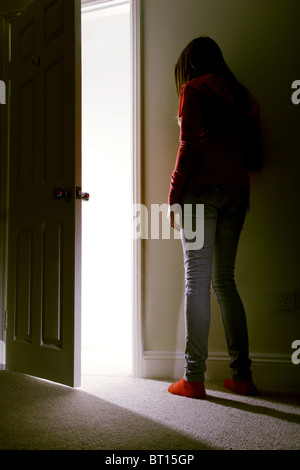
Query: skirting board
[[269, 369]]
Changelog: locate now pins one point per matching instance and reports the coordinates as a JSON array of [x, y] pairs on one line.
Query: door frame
[[135, 9], [5, 21]]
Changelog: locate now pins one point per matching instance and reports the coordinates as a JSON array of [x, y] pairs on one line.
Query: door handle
[[81, 195], [65, 194]]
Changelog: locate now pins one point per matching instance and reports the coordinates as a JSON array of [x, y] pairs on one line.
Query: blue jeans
[[225, 209]]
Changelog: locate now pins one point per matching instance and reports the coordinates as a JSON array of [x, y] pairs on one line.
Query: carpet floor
[[125, 413]]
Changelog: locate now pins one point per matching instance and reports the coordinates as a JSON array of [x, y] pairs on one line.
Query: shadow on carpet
[[40, 415]]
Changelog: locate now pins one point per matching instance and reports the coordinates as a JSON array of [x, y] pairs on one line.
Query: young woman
[[219, 143]]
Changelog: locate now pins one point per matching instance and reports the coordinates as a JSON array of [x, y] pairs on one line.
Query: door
[[44, 267]]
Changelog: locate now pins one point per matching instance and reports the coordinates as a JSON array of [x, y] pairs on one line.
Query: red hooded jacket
[[219, 142]]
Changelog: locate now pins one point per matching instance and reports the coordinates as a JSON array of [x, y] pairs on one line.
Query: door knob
[[65, 194], [81, 195]]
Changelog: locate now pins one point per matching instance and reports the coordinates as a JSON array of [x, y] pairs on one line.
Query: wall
[[259, 41]]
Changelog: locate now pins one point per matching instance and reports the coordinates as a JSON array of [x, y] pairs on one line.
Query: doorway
[[107, 177]]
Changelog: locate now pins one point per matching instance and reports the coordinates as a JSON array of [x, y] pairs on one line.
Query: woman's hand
[[174, 216]]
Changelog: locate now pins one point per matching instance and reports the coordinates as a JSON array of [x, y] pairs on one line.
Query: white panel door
[[44, 288]]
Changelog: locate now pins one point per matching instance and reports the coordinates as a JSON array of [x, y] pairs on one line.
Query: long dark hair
[[203, 56]]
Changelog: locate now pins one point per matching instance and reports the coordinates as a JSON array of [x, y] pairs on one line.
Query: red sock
[[188, 389], [243, 388]]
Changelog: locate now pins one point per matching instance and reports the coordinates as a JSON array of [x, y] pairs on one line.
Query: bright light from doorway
[[106, 218]]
